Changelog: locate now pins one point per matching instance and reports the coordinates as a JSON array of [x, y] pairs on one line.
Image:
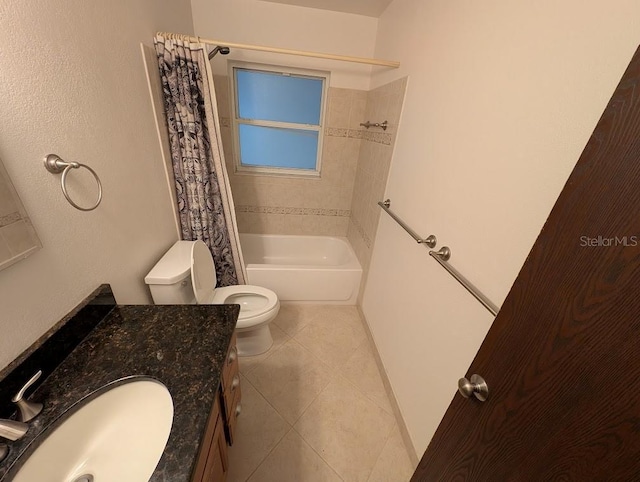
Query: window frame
[[236, 121]]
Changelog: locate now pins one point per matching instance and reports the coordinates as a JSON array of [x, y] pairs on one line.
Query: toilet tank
[[170, 279]]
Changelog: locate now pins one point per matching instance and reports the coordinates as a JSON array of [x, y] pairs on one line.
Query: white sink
[[118, 436]]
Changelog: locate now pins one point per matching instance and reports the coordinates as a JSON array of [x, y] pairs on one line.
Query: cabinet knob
[[233, 354], [235, 382]]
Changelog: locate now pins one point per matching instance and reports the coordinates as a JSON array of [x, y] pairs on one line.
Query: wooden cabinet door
[[212, 464], [217, 463], [562, 359]]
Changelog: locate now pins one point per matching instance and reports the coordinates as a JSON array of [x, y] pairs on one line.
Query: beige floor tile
[[248, 363], [362, 370], [293, 460], [258, 431], [320, 312], [293, 318], [333, 334], [290, 379], [394, 464], [346, 429]]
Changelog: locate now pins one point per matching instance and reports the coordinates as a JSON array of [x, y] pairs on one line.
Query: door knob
[[477, 386]]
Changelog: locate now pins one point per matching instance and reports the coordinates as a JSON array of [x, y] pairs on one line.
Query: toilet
[[186, 275]]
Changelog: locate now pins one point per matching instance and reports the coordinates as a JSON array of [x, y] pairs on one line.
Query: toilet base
[[254, 341]]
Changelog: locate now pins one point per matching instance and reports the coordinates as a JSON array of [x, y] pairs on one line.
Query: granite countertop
[[183, 346]]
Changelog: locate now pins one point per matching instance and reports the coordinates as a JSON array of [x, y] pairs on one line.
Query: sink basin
[[118, 436]]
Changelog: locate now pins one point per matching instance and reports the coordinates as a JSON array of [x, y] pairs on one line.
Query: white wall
[[72, 82], [501, 100], [287, 26]]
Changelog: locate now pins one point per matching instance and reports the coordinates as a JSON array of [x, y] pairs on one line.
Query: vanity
[[190, 349], [212, 463]]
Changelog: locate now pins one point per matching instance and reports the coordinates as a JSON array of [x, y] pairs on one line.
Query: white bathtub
[[303, 268]]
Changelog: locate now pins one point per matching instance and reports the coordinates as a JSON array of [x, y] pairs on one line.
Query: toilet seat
[[257, 304]]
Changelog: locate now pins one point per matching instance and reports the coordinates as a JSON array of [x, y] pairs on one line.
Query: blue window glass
[[278, 97], [276, 147]]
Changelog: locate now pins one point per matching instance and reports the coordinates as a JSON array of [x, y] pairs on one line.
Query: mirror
[[18, 239]]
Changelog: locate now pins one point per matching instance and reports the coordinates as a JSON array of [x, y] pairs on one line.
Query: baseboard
[[411, 450]]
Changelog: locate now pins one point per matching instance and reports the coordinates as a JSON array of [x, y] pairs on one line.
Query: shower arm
[[219, 48]]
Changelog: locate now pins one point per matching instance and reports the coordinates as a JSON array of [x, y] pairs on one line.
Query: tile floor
[[314, 408]]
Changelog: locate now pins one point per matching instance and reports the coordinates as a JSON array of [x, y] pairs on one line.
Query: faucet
[[27, 410], [15, 429], [11, 430]]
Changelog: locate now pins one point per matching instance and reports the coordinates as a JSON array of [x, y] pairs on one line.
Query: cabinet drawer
[[232, 414], [230, 365], [230, 390]]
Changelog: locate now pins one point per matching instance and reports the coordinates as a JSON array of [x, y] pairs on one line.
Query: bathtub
[[318, 269]]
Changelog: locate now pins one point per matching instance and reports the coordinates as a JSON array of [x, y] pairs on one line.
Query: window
[[277, 119]]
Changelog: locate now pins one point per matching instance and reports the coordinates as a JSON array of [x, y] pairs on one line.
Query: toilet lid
[[203, 272]]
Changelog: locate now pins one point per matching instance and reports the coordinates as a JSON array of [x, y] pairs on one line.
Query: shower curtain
[[205, 205]]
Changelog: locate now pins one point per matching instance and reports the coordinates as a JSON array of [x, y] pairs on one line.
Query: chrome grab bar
[[442, 257], [429, 240]]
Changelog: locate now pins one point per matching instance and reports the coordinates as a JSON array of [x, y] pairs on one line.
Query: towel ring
[[55, 165]]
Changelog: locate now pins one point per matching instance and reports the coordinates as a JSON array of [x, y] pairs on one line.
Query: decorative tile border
[[343, 132], [345, 213], [336, 132], [360, 229], [9, 219], [377, 137]]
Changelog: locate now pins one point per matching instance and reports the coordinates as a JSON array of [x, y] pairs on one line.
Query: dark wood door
[[562, 359]]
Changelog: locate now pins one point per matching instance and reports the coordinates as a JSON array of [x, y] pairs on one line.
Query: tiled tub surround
[[183, 346], [355, 167], [289, 205], [374, 160]]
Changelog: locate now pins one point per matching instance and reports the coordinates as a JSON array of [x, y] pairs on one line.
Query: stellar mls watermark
[[601, 241]]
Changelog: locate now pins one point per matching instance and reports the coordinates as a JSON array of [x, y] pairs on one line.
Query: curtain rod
[[277, 50]]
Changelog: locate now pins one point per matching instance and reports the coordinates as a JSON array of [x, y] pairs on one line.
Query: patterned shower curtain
[[205, 204]]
